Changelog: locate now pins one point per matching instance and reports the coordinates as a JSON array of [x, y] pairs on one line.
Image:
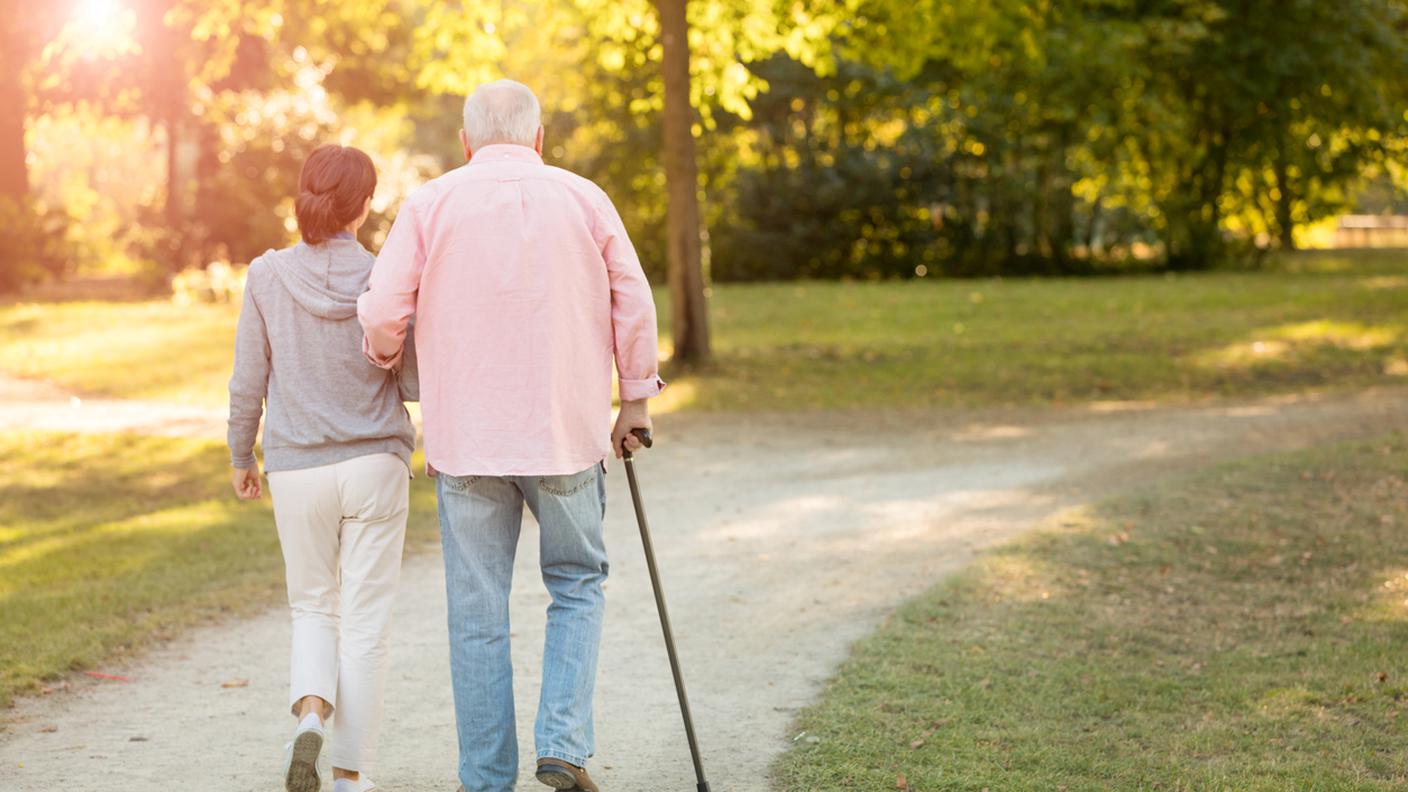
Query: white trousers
[[342, 527]]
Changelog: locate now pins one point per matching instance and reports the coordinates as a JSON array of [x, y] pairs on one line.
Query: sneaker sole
[[303, 770], [557, 779]]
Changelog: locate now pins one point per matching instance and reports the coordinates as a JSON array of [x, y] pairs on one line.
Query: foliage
[[1382, 196], [1261, 132], [820, 196], [1238, 629], [1065, 138], [839, 138], [217, 283], [32, 246]]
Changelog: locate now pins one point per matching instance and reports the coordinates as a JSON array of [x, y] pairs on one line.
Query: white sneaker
[[301, 763], [362, 784]]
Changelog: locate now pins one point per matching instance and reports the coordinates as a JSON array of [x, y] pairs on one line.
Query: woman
[[337, 448]]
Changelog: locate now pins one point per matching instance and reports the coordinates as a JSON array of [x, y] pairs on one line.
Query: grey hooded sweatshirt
[[299, 348]]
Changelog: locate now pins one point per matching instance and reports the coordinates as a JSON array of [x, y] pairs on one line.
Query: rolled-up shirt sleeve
[[387, 306], [633, 322]]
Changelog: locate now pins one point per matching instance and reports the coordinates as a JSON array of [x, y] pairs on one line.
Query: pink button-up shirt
[[524, 288]]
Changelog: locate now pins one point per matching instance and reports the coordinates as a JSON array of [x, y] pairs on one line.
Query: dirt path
[[782, 540], [32, 404]]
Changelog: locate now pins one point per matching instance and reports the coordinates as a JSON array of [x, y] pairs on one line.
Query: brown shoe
[[559, 774]]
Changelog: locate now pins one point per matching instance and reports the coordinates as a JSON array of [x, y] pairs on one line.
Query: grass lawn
[[1320, 319], [110, 541], [1241, 629]]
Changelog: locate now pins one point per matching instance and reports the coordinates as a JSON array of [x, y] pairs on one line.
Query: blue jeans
[[480, 518]]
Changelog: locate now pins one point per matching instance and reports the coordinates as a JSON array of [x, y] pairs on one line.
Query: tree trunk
[[14, 176], [1092, 228], [689, 317], [171, 206], [1285, 221]]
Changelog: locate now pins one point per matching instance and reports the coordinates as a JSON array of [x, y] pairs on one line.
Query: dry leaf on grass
[[901, 782]]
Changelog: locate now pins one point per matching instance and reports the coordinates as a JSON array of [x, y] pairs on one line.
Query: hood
[[325, 280]]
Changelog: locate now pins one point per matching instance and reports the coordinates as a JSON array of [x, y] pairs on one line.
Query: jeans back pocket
[[570, 484], [458, 483]]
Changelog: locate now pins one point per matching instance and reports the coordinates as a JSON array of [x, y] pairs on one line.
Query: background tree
[[689, 316], [462, 44], [33, 239], [25, 30], [839, 138]]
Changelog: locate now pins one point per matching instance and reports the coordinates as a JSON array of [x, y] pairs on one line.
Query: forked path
[[782, 540]]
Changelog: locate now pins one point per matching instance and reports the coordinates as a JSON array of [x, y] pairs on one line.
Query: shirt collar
[[506, 152]]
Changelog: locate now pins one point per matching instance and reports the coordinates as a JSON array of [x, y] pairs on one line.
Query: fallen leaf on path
[[47, 689], [136, 739], [50, 729], [235, 683], [108, 677]]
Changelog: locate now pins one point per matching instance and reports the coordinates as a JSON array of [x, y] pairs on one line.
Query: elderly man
[[524, 288]]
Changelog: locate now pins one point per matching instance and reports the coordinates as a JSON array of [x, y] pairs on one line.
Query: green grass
[[108, 542], [1242, 629], [1319, 320], [138, 350]]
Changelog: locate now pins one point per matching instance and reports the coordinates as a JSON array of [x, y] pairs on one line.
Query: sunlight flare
[[101, 28]]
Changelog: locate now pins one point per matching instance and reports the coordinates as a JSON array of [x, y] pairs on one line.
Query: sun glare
[[101, 28]]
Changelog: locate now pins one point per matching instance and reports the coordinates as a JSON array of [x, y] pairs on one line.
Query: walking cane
[[644, 436]]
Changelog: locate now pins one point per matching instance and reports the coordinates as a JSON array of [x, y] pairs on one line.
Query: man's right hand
[[633, 415]]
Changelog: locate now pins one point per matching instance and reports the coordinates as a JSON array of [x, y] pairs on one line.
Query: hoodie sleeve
[[250, 381]]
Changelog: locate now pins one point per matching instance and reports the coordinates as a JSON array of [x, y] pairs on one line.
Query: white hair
[[502, 111]]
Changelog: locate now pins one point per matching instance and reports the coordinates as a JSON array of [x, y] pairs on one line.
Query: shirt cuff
[[243, 463], [636, 389], [378, 360]]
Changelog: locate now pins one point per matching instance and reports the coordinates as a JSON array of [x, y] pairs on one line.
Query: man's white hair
[[502, 111]]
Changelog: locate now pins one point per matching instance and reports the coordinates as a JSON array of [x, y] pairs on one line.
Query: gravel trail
[[782, 540]]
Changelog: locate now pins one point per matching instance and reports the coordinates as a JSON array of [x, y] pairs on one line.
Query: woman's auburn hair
[[333, 186]]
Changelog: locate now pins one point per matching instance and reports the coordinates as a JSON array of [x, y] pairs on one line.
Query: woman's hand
[[246, 482]]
